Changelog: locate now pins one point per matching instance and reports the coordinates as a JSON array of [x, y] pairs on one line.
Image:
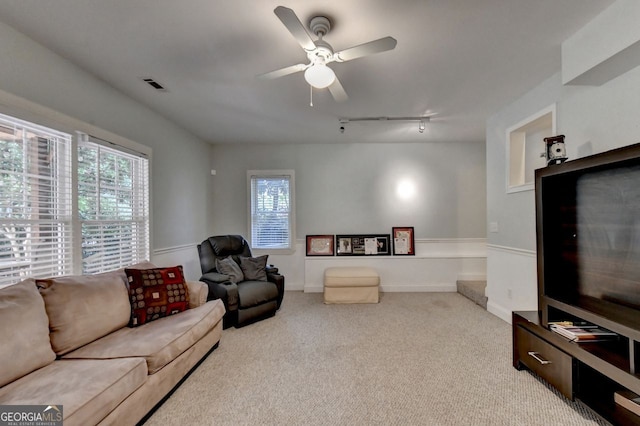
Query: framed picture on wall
[[363, 245], [403, 241], [320, 245]]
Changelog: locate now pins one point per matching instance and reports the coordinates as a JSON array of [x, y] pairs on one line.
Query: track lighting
[[422, 121]]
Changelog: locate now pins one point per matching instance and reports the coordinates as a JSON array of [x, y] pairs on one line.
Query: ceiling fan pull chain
[[310, 95]]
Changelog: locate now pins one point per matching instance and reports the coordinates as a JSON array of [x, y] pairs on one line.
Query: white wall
[[594, 119], [351, 189], [436, 266], [180, 162]]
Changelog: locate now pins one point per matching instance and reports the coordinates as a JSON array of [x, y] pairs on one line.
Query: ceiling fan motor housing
[[320, 26], [323, 52]]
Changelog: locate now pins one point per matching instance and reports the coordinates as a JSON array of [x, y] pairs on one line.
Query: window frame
[[256, 174]]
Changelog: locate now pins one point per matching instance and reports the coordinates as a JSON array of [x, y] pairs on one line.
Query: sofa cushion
[[24, 331], [82, 309], [156, 293], [145, 264], [87, 389], [254, 268], [159, 342], [229, 267]]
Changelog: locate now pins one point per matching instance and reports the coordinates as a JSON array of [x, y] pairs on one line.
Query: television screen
[[608, 234], [589, 234]]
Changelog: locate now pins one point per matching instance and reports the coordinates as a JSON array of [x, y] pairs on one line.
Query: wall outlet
[[493, 226], [509, 293]]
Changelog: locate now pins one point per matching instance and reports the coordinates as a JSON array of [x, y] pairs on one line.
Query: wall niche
[[526, 148]]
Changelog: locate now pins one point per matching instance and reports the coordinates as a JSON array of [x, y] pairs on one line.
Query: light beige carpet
[[412, 359]]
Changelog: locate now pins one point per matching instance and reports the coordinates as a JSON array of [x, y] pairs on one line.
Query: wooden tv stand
[[591, 372]]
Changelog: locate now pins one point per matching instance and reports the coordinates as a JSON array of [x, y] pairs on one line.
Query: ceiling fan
[[320, 53]]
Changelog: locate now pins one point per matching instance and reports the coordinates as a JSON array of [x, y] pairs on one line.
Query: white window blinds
[[113, 207], [35, 201], [59, 219], [271, 204]]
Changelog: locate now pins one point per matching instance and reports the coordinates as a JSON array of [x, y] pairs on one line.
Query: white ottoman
[[351, 284]]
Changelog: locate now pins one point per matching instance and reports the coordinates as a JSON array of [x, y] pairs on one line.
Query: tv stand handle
[[536, 356]]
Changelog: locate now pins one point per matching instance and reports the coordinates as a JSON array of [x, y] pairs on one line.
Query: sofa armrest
[[198, 292]]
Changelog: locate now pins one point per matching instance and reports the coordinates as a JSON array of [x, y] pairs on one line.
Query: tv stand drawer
[[544, 359]]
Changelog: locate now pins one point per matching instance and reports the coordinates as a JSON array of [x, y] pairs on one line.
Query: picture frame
[[363, 245], [403, 241], [320, 245]]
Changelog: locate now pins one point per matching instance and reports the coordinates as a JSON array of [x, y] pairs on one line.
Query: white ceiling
[[461, 60]]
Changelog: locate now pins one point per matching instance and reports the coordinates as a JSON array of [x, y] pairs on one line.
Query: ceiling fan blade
[[295, 27], [337, 91], [282, 72], [376, 46]]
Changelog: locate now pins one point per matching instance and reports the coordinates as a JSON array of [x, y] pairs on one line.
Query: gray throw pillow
[[253, 268], [229, 267]]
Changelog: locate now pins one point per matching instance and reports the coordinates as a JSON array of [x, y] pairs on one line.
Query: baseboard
[[499, 311], [472, 277], [427, 288]]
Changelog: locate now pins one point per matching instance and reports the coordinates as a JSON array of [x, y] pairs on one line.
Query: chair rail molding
[[185, 255]]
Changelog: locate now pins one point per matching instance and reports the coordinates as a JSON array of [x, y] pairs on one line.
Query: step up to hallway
[[473, 290]]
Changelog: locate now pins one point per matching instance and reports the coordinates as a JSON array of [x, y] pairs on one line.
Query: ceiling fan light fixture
[[319, 76]]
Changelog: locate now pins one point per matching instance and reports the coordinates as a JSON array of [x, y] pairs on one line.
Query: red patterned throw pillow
[[156, 293]]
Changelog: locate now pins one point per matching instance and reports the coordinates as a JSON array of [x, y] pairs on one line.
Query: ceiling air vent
[[151, 82]]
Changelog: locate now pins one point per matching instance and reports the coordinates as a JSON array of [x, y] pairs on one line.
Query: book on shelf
[[628, 400], [572, 324], [582, 332]]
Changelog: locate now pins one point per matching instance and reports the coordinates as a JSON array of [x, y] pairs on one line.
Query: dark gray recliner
[[245, 301]]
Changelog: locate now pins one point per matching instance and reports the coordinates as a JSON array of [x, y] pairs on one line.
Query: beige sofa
[[66, 342]]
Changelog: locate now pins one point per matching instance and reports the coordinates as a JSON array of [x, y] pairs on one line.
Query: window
[[35, 201], [271, 218], [113, 207], [55, 220]]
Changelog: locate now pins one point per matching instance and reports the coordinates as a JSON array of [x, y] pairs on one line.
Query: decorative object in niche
[[555, 152]]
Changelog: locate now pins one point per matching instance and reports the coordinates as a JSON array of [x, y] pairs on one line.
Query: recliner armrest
[[214, 277], [270, 269], [278, 280], [225, 290]]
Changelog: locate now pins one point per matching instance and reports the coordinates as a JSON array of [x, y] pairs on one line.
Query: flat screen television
[[588, 239]]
